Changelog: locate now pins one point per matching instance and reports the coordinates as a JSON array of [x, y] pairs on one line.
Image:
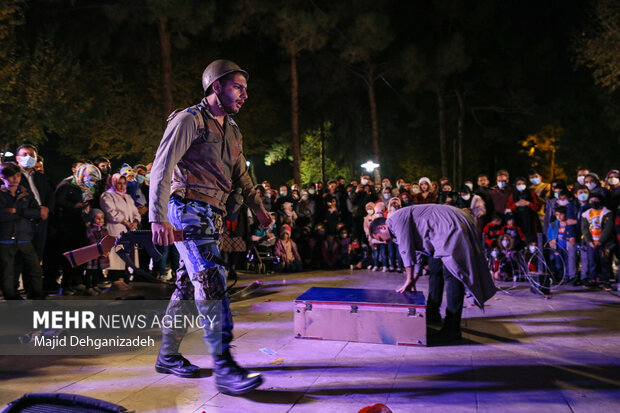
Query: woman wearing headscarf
[[73, 201], [121, 215]]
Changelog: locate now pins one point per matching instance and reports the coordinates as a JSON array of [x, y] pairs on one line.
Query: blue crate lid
[[360, 296]]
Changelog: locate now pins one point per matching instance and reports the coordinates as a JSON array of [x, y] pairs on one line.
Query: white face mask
[[370, 211], [494, 254], [613, 181], [521, 188], [364, 181], [27, 162], [591, 185], [470, 186], [466, 197], [505, 243], [562, 202], [581, 179], [532, 248], [415, 191]]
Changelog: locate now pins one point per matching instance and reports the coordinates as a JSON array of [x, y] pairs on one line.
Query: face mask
[[556, 195], [501, 184], [140, 179], [148, 177], [563, 202], [505, 243], [392, 209], [283, 193], [613, 181], [364, 181], [583, 197], [581, 179], [27, 162], [304, 197], [370, 211], [406, 200], [268, 195], [416, 191], [494, 254], [591, 185], [385, 184], [387, 196], [535, 181], [532, 248], [520, 188], [470, 186], [89, 184], [596, 204], [466, 197], [343, 235], [312, 191]]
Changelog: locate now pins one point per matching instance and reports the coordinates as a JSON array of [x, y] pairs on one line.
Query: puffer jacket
[[20, 225]]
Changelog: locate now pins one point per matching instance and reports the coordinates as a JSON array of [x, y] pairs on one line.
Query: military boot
[[232, 379], [169, 361]]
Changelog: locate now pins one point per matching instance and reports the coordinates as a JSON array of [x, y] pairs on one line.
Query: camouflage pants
[[200, 283]]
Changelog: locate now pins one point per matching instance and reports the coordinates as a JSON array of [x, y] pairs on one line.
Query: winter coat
[[20, 225]]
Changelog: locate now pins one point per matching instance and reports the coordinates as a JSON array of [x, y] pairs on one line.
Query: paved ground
[[524, 354]]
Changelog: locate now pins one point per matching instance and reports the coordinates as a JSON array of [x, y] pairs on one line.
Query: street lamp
[[247, 163], [369, 166]]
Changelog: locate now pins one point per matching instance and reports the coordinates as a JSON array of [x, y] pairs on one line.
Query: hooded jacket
[[18, 227]]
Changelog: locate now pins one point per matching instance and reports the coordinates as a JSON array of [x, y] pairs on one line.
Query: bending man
[[446, 233]]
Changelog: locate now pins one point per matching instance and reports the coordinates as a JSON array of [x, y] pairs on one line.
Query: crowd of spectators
[[317, 226]]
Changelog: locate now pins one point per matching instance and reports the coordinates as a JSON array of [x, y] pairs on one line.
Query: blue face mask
[[148, 177], [27, 162], [535, 181], [89, 184], [312, 191], [140, 179], [501, 184], [268, 195], [583, 197], [556, 195]]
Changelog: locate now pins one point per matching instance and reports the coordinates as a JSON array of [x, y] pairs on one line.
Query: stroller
[[261, 259]]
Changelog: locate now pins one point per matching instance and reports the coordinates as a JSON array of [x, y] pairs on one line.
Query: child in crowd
[[286, 250], [514, 231], [344, 241], [559, 233], [492, 230], [379, 248], [597, 229], [330, 249], [95, 232], [359, 255], [395, 261], [18, 210], [508, 267]]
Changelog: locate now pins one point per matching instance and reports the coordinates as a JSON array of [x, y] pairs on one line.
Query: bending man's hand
[[410, 281], [162, 233]]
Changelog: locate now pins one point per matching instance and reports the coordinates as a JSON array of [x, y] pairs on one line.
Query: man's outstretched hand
[[162, 233], [408, 286]]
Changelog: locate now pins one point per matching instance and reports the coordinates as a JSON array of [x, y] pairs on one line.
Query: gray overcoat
[[447, 233]]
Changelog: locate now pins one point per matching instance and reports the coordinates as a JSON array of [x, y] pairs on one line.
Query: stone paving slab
[[524, 353]]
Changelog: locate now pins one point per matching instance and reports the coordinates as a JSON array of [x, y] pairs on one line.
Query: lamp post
[[371, 166]]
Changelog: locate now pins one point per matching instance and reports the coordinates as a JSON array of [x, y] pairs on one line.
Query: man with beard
[[198, 164]]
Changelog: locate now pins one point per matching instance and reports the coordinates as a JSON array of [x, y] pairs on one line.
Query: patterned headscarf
[[113, 181], [86, 176]]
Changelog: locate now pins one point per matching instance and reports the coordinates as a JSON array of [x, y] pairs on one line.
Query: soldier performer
[[198, 164]]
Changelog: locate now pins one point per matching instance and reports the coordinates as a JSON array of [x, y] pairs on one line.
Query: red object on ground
[[376, 408]]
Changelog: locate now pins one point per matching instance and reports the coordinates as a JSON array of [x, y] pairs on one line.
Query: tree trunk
[[374, 123], [322, 150], [460, 135], [443, 144], [166, 64], [295, 119]]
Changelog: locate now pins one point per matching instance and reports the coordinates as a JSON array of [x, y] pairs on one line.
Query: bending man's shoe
[[232, 379], [177, 365]]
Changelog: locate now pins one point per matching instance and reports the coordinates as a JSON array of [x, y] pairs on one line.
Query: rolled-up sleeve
[[177, 139]]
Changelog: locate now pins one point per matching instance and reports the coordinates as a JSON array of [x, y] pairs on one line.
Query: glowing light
[[370, 166]]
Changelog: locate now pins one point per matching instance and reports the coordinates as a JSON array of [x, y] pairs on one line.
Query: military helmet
[[217, 69]]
